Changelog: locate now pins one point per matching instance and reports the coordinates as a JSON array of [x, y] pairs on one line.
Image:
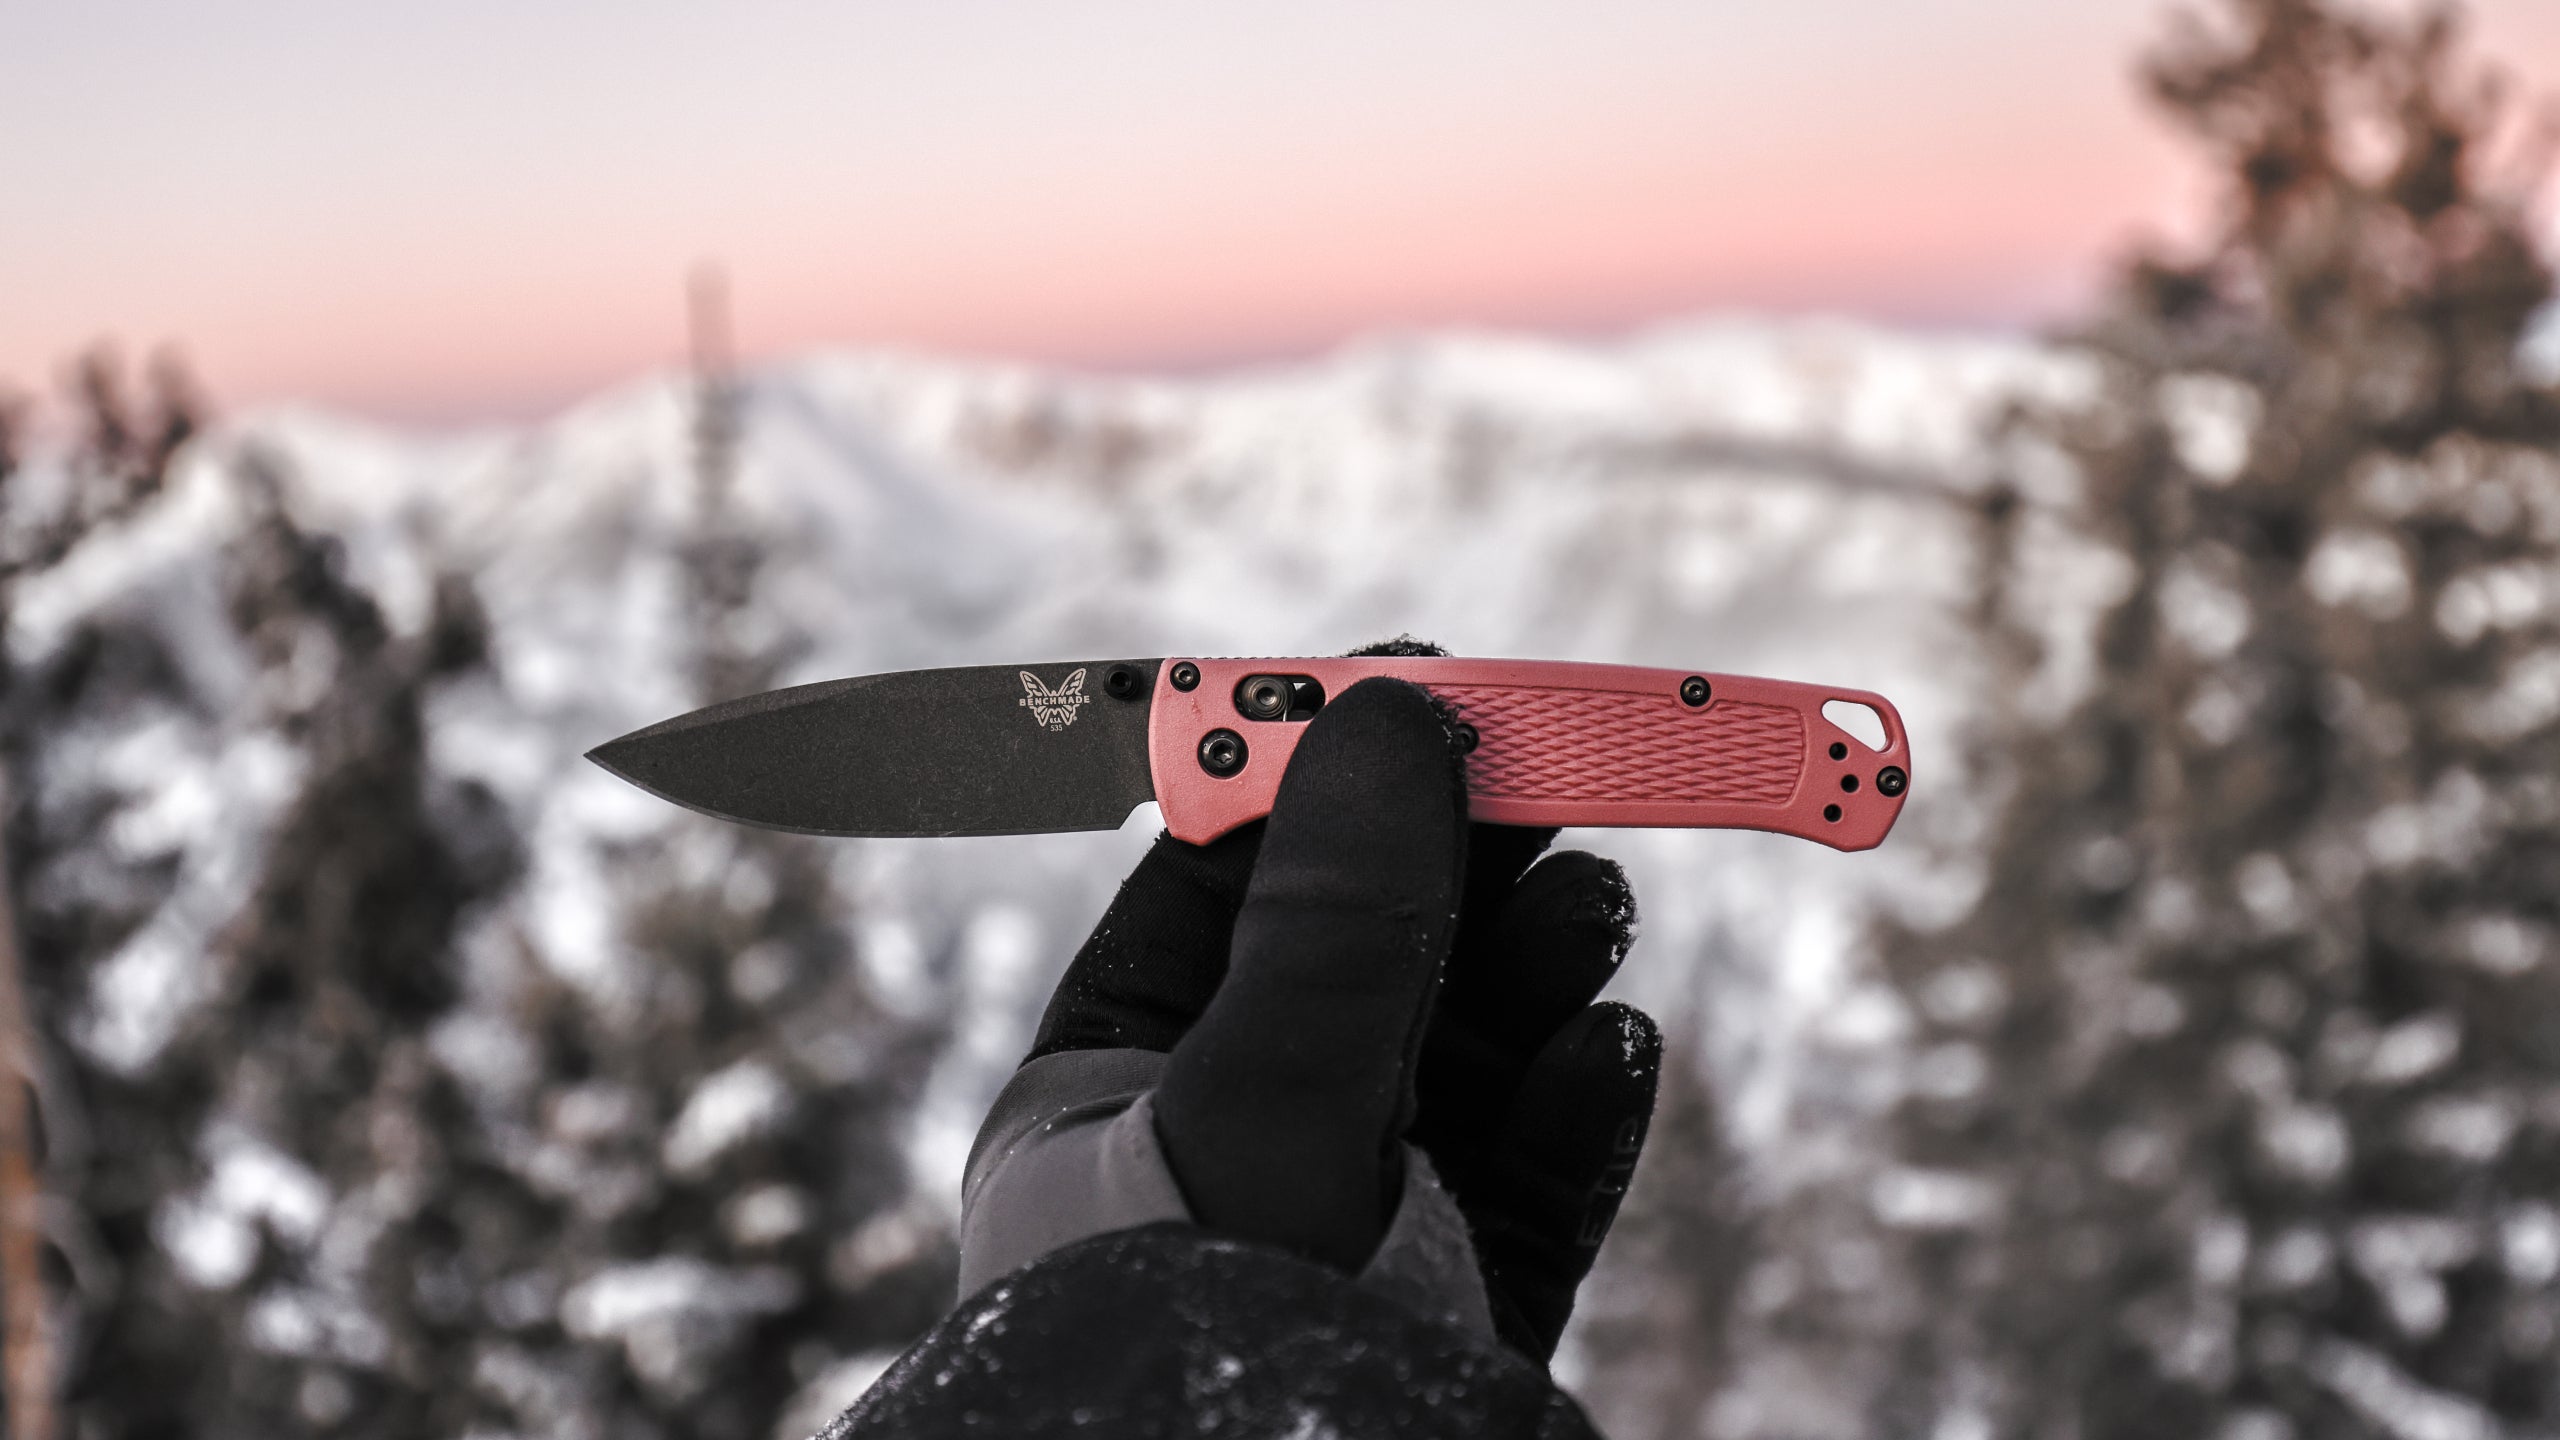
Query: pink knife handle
[[1561, 743]]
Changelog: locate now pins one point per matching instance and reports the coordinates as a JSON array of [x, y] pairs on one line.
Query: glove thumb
[[1282, 1111]]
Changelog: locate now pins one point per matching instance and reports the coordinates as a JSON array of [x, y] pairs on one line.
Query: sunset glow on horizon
[[479, 212]]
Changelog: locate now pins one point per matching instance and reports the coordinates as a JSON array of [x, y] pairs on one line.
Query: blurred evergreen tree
[[390, 1173], [124, 448], [2235, 1100]]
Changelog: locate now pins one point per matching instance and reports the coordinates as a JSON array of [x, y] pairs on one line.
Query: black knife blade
[[982, 750]]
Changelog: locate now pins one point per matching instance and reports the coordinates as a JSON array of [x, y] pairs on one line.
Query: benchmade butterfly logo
[[1054, 709]]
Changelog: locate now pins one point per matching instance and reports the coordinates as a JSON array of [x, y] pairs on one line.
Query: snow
[[675, 1317], [2212, 419], [729, 1108], [1913, 1199], [626, 1297], [213, 1232], [209, 800], [2396, 1403], [765, 1216], [312, 1324], [2413, 1049]]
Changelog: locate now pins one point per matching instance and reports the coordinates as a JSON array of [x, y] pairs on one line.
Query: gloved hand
[[1294, 1003]]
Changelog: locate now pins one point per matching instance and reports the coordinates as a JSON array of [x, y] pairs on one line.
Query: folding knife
[[1010, 750]]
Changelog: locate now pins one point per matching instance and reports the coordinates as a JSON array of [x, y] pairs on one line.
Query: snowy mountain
[[1773, 498], [1739, 496]]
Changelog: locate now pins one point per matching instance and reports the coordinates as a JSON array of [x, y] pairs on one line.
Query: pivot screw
[[1121, 682], [1263, 697], [1891, 781], [1695, 691], [1186, 676], [1222, 753]]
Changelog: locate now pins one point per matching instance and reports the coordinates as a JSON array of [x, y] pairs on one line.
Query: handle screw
[[1186, 676], [1891, 781], [1468, 739], [1695, 691], [1222, 753]]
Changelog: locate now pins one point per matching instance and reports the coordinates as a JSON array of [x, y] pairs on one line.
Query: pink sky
[[483, 210]]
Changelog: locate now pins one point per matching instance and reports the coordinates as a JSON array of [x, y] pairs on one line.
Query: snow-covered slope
[[1740, 496]]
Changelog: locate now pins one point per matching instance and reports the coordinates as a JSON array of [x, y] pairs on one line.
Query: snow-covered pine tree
[[123, 449], [257, 1215], [377, 1168], [2245, 1064]]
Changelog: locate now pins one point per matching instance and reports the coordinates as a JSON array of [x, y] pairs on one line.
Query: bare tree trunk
[[26, 1342]]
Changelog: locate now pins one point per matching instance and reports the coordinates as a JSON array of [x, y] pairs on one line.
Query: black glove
[[1534, 1101], [1293, 973]]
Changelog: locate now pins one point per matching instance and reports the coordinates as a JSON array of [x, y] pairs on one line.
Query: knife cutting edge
[[1014, 749]]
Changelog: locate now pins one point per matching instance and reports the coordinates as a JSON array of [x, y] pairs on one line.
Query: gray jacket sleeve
[[1069, 1150]]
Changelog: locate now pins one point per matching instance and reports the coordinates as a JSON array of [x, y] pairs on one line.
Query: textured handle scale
[[1565, 744]]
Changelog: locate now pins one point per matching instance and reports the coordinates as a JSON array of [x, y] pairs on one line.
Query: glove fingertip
[[1610, 1044], [1587, 892], [1639, 1038], [1403, 647], [1588, 1098], [1547, 949]]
